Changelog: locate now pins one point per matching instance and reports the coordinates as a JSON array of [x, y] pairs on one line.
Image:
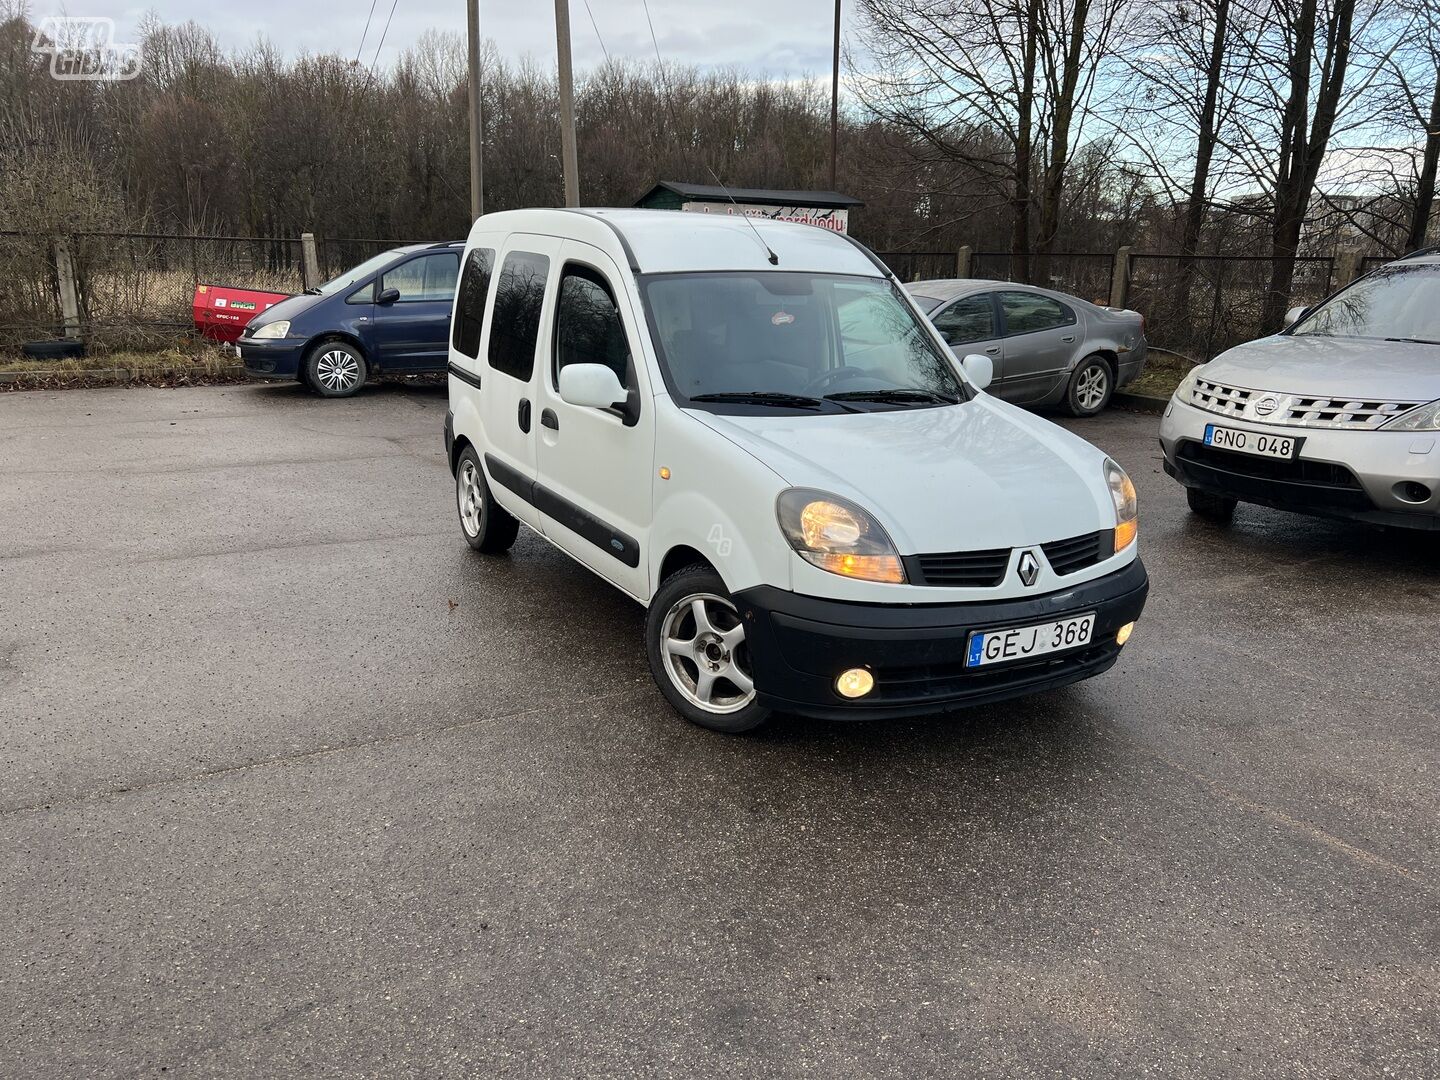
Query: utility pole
[[567, 104], [477, 126], [835, 101]]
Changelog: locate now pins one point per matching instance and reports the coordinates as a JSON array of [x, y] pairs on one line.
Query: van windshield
[[796, 341], [356, 274]]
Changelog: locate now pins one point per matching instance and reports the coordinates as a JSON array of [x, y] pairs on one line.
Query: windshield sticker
[[781, 318]]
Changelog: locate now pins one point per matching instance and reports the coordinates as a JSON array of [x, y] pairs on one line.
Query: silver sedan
[[1338, 415], [1047, 348]]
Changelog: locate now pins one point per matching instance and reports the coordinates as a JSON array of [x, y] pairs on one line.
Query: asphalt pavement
[[292, 783]]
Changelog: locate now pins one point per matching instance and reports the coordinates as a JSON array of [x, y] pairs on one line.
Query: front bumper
[[799, 644], [1353, 475], [271, 358]]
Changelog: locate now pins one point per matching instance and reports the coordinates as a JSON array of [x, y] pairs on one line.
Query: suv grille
[[973, 569], [1068, 556], [1294, 410]]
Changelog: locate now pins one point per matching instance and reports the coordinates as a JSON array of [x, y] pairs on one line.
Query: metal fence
[[134, 290], [1197, 306]]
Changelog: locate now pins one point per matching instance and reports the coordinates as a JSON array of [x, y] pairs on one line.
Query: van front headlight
[[1425, 418], [273, 330], [836, 535], [1127, 505]]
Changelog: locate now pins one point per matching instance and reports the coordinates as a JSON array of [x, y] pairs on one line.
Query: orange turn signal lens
[[885, 568], [1125, 533]]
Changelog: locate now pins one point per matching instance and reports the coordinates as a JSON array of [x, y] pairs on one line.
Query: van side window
[[470, 301], [588, 327], [430, 277], [515, 322]]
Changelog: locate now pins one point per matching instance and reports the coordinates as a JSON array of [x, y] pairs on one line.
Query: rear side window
[[1026, 313], [969, 319], [430, 277], [470, 302], [588, 327], [515, 323]]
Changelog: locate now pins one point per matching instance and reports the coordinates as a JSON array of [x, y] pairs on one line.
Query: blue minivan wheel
[[335, 369]]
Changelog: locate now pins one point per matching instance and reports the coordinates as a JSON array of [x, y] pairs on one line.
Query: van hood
[[983, 474], [291, 308], [1344, 367]]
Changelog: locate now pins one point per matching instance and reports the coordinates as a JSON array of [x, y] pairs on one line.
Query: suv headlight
[[1425, 418], [273, 330], [836, 535], [1187, 384], [1127, 505]]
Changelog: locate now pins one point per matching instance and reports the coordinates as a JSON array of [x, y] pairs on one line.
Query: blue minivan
[[389, 315]]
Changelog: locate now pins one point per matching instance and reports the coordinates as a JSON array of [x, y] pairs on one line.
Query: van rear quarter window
[[515, 322], [470, 302]]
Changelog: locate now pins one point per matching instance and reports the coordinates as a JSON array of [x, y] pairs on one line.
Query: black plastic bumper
[[1319, 496], [799, 644]]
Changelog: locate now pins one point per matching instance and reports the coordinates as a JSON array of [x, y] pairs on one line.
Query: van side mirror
[[388, 296], [591, 386], [1294, 315], [979, 369]]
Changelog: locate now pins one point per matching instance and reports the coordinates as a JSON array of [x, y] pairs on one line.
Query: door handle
[[1068, 337], [523, 415], [550, 420], [993, 349]]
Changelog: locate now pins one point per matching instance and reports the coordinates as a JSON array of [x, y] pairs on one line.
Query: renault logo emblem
[[1029, 568]]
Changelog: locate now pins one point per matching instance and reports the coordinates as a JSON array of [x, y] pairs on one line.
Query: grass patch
[[1163, 372], [191, 366]]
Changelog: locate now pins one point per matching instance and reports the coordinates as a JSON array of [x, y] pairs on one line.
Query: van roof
[[678, 241]]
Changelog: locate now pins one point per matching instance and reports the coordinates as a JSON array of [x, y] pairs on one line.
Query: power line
[[596, 25], [365, 33], [383, 33]]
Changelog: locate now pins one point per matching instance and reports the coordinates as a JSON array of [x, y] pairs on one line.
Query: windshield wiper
[[1414, 340], [897, 395], [762, 397]]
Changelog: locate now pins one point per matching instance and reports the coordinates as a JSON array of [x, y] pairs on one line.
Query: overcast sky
[[776, 38]]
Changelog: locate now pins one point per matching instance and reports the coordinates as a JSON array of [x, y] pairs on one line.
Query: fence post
[[310, 260], [1120, 278], [69, 290], [962, 261], [1347, 268]]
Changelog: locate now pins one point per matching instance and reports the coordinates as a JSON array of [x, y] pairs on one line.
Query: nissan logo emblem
[[1266, 405]]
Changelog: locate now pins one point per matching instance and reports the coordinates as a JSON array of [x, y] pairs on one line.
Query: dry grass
[[1163, 372], [190, 366]]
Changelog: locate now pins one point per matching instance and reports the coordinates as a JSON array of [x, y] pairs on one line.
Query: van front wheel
[[698, 652], [486, 525]]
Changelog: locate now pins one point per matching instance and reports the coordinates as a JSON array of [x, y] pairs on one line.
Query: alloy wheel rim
[[338, 370], [467, 495], [703, 643], [1091, 390]]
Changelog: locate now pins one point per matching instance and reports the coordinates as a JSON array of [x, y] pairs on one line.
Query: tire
[[1091, 385], [702, 668], [1212, 507], [486, 525], [335, 369]]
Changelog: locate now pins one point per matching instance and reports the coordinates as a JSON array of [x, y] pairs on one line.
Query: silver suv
[[1337, 415]]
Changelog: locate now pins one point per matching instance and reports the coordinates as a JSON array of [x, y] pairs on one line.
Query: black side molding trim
[[510, 479], [465, 376], [575, 518]]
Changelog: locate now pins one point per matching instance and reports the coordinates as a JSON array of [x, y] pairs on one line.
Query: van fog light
[[1123, 635], [855, 683]]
